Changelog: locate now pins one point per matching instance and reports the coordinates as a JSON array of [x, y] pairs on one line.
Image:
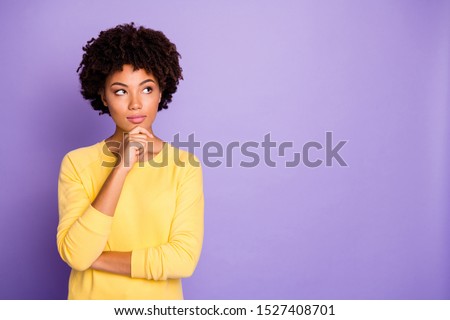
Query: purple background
[[375, 74]]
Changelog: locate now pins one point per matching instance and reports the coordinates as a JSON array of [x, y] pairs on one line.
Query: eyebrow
[[140, 84]]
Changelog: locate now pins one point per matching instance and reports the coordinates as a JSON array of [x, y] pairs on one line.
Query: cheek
[[116, 105], [153, 98], [151, 103], [116, 111]]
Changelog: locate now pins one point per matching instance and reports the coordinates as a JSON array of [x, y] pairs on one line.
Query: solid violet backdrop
[[375, 74]]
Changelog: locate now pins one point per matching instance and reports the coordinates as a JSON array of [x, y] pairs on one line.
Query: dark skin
[[132, 98]]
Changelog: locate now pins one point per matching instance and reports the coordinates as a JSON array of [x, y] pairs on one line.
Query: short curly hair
[[143, 48]]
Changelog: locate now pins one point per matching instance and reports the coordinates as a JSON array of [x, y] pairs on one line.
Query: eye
[[120, 92], [148, 90]]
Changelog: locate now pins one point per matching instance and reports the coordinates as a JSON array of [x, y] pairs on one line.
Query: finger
[[139, 129], [135, 147], [139, 142], [137, 136], [138, 145]]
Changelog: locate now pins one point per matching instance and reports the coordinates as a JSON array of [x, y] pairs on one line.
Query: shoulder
[[189, 168], [183, 157], [83, 157]]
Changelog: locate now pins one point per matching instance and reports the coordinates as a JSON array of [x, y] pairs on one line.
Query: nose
[[135, 103]]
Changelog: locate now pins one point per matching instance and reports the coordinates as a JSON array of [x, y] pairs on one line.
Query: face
[[132, 98]]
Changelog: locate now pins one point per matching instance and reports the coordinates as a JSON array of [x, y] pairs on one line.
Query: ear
[[101, 93], [160, 95]]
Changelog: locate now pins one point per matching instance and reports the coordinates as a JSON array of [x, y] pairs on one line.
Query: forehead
[[129, 75]]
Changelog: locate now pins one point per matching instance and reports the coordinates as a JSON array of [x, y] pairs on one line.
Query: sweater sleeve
[[179, 256], [82, 230]]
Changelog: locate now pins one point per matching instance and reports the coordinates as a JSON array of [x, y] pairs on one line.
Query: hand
[[135, 147], [114, 262]]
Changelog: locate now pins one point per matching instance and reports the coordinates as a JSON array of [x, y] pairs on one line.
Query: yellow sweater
[[159, 218]]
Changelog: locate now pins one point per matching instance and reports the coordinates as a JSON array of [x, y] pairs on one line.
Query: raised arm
[[84, 227]]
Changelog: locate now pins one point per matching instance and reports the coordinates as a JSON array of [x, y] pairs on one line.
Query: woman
[[130, 206]]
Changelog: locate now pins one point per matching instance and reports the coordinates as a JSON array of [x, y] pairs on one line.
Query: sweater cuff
[[99, 223], [138, 263]]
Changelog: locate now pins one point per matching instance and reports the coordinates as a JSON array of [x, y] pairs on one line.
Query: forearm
[[167, 261], [178, 257], [81, 242], [108, 196], [78, 244], [114, 262]]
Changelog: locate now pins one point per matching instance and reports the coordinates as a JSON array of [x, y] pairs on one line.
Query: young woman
[[130, 206]]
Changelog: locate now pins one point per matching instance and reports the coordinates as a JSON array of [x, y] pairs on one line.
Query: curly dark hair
[[143, 48]]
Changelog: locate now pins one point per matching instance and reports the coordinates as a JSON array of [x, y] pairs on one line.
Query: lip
[[136, 119]]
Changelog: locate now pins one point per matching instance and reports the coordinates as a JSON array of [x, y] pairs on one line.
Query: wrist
[[96, 264], [122, 168]]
